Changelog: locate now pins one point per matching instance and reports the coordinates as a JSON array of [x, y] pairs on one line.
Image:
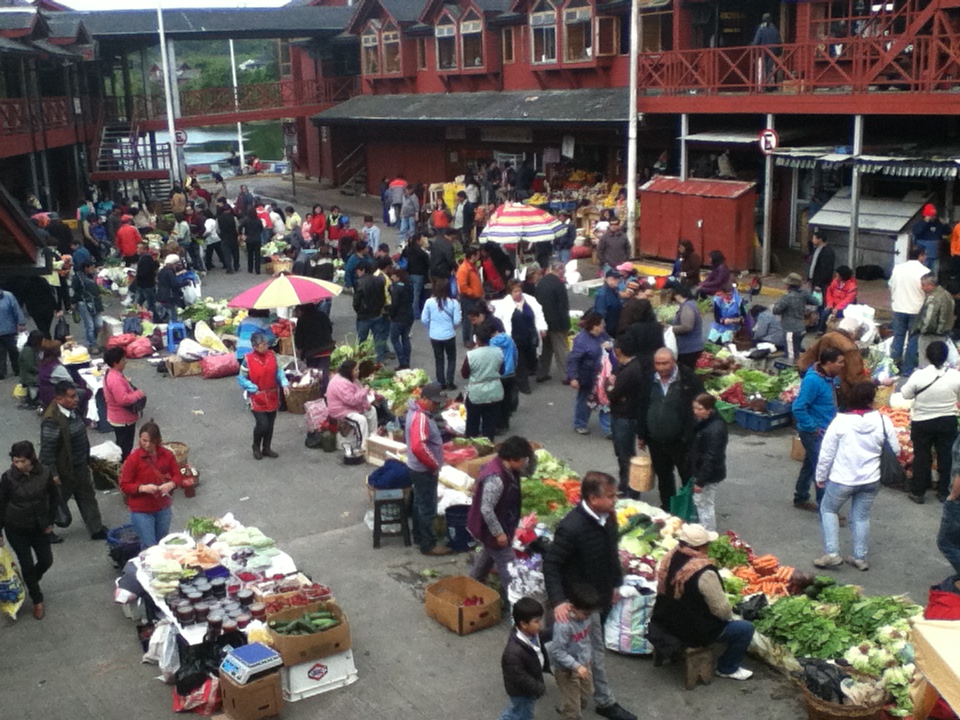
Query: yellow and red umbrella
[[516, 222], [285, 291]]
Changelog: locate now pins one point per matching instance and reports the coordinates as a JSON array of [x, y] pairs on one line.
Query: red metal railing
[[853, 65], [261, 96]]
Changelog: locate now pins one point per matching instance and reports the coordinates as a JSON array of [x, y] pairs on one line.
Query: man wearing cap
[[424, 458], [935, 320], [928, 233], [127, 239], [614, 247], [691, 605], [608, 302], [791, 308]]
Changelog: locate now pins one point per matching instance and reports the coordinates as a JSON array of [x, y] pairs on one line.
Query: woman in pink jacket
[[347, 401], [124, 401]]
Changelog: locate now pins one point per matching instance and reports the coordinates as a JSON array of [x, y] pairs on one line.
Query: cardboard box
[[286, 345], [178, 367], [296, 649], [262, 697], [318, 676], [473, 466], [796, 449], [379, 448], [445, 604]]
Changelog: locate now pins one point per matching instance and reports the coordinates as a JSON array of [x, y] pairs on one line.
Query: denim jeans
[[519, 707], [900, 327], [379, 327], [811, 453], [91, 323], [624, 431], [446, 348], [948, 537], [563, 256], [417, 282], [424, 509], [861, 499], [400, 338], [581, 412], [408, 226], [151, 527], [737, 635]]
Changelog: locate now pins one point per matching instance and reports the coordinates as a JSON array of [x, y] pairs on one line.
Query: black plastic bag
[[62, 517], [823, 679], [61, 330], [750, 608], [197, 663], [314, 440]]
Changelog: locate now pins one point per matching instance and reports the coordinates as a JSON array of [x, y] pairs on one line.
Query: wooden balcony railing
[[16, 114], [847, 65], [222, 101]]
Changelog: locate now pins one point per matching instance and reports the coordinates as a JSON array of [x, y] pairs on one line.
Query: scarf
[[695, 564]]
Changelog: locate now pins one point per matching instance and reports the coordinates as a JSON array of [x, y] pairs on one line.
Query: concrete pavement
[[83, 660]]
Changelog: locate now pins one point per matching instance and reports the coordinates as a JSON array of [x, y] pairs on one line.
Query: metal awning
[[943, 164], [738, 137], [15, 48], [877, 215]]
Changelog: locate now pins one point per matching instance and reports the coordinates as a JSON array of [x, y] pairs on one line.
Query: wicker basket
[[818, 709], [181, 451], [300, 395], [641, 473], [283, 265]]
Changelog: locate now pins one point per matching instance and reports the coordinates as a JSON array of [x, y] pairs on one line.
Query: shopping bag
[[62, 516], [121, 340], [140, 347], [11, 586], [392, 216], [891, 471], [315, 414], [61, 329], [22, 340], [625, 630], [670, 341], [682, 505], [219, 366]]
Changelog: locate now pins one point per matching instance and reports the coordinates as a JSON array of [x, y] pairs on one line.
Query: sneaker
[[438, 550], [861, 565], [582, 431], [827, 561], [615, 712], [741, 673]]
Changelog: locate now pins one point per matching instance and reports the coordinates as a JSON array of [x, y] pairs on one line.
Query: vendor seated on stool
[[768, 328], [348, 401], [692, 606]]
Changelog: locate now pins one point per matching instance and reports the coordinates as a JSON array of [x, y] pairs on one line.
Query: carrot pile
[[765, 575]]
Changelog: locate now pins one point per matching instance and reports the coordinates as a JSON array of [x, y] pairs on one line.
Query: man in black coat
[[822, 261], [665, 421], [229, 235], [624, 389], [442, 260], [584, 551], [551, 293]]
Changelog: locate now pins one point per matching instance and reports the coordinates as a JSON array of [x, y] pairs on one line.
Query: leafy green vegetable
[[722, 551], [800, 625], [542, 499], [549, 467]]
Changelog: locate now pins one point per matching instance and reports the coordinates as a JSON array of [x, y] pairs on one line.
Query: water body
[[212, 144]]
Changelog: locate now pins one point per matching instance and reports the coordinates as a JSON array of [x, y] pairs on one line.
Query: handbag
[[62, 517], [61, 330], [891, 471]]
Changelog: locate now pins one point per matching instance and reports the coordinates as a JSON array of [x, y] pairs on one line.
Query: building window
[[608, 36], [543, 31], [471, 40], [506, 39], [370, 47], [421, 53], [283, 52], [446, 34], [390, 39], [577, 32]]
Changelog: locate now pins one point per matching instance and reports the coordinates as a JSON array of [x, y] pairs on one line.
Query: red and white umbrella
[[516, 223], [285, 291]]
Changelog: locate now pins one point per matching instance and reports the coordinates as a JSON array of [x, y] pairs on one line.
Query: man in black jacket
[[442, 261], [624, 389], [822, 261], [369, 299], [584, 551], [665, 421], [551, 293], [229, 235]]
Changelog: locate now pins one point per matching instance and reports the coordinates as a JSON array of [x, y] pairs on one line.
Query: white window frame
[[542, 21], [471, 25], [443, 31], [391, 35], [370, 38]]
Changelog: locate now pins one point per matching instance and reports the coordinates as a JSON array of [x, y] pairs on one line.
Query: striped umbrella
[[285, 291], [516, 222]]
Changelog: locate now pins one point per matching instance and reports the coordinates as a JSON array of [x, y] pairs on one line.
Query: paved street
[[83, 660]]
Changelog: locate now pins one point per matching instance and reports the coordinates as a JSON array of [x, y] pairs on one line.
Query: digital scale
[[244, 663]]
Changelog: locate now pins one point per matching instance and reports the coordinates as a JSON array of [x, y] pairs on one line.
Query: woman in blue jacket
[[441, 315], [583, 366]]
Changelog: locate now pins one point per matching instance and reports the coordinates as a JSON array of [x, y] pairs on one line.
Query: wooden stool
[[390, 499], [699, 664]]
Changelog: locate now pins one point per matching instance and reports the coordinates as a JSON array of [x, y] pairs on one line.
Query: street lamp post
[[168, 97], [635, 28]]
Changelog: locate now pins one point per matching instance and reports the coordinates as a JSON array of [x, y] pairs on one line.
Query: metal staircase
[[351, 172]]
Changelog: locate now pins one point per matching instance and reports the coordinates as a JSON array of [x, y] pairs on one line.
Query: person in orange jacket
[[470, 290], [841, 291]]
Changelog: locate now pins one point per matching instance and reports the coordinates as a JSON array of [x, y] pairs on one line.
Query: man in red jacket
[[127, 238]]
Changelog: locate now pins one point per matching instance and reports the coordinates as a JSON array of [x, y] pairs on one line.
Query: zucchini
[[327, 624]]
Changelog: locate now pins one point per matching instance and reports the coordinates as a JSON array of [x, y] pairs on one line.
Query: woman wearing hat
[[691, 607], [791, 308]]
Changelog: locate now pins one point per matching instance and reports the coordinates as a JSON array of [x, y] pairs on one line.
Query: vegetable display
[[309, 623]]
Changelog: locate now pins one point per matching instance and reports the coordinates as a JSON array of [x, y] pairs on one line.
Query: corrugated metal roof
[[17, 18], [15, 48], [697, 186], [584, 107], [879, 215]]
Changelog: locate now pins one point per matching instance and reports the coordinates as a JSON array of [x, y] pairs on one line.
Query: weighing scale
[[245, 662]]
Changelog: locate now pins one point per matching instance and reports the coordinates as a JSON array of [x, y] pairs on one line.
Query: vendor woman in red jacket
[[149, 477], [262, 378], [842, 291]]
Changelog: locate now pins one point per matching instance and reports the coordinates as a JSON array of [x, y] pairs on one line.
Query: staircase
[[156, 191], [123, 155], [351, 172]]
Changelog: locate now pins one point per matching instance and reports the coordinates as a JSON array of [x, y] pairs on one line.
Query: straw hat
[[696, 535], [793, 280]]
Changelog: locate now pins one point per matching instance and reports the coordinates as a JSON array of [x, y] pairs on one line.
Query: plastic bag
[[681, 504], [140, 347], [191, 350], [61, 330], [670, 341], [22, 340], [157, 639], [121, 340], [315, 413], [625, 630], [392, 216], [206, 337], [219, 366], [62, 516], [202, 700], [191, 293], [11, 585], [953, 357]]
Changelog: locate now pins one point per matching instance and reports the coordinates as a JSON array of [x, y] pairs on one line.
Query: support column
[[635, 36], [145, 79], [684, 160], [794, 190], [175, 102], [767, 207], [855, 191]]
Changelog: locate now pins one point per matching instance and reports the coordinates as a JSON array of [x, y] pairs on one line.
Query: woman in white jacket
[[523, 320], [849, 467]]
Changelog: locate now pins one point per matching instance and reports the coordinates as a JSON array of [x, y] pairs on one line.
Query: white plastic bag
[[157, 639], [953, 357], [392, 215], [192, 293], [670, 341], [108, 451], [191, 350], [22, 340], [625, 630]]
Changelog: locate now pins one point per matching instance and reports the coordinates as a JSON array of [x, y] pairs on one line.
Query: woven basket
[[299, 396], [641, 473], [284, 265], [181, 451], [818, 709]]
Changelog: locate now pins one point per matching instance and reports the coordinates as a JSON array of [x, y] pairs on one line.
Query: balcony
[[869, 75], [17, 114]]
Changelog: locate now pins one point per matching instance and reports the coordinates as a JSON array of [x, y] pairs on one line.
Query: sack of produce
[[121, 340], [218, 366], [141, 347]]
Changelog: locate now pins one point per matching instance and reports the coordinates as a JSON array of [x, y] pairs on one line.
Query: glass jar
[[201, 609], [245, 597], [243, 619], [258, 611]]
